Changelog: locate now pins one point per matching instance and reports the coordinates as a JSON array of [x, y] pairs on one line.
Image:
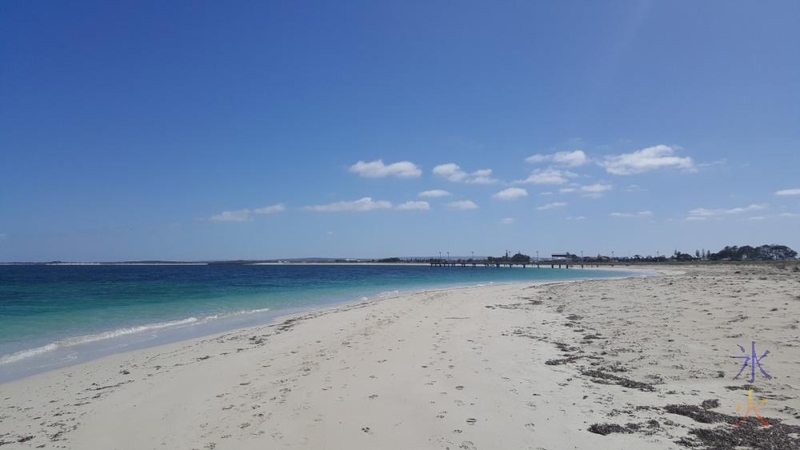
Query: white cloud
[[576, 218], [241, 215], [645, 160], [273, 209], [707, 212], [789, 192], [507, 221], [377, 169], [511, 194], [757, 218], [543, 194], [434, 193], [695, 218], [548, 176], [414, 206], [636, 214], [453, 172], [596, 189], [634, 188], [570, 159], [329, 233], [462, 205], [551, 206], [786, 214], [592, 190], [360, 205]]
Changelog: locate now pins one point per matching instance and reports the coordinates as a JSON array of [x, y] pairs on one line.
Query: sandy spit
[[640, 363]]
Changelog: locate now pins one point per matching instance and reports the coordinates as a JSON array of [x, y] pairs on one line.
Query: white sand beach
[[553, 366]]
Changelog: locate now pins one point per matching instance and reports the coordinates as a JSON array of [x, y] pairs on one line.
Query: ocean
[[55, 316]]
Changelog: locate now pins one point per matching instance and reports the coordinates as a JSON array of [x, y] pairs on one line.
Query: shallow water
[[53, 316]]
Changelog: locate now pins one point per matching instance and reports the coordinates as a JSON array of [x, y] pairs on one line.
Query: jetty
[[560, 260]]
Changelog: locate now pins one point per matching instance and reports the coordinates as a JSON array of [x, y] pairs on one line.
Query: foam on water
[[120, 332]]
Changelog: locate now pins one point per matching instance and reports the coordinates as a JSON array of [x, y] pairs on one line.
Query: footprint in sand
[[468, 445]]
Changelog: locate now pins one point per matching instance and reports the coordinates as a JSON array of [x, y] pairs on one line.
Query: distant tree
[[520, 258], [390, 260], [762, 253]]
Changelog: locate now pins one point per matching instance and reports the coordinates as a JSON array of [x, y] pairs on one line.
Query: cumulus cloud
[[576, 218], [414, 206], [571, 159], [434, 193], [462, 205], [360, 205], [645, 160], [452, 172], [595, 189], [510, 194], [553, 205], [717, 212], [243, 215], [507, 221], [633, 214], [270, 209], [786, 192], [548, 176], [591, 190], [377, 169]]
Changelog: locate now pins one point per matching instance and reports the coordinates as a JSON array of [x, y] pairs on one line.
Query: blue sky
[[216, 130]]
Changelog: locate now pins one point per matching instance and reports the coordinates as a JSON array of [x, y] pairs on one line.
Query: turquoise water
[[53, 316]]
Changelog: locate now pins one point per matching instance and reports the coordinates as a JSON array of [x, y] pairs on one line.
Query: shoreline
[[177, 330], [608, 363]]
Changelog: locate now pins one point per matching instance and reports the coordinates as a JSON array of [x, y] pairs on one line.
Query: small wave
[[78, 340], [70, 342], [18, 356], [234, 314]]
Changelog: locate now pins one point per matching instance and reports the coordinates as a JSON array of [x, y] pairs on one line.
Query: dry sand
[[613, 364]]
